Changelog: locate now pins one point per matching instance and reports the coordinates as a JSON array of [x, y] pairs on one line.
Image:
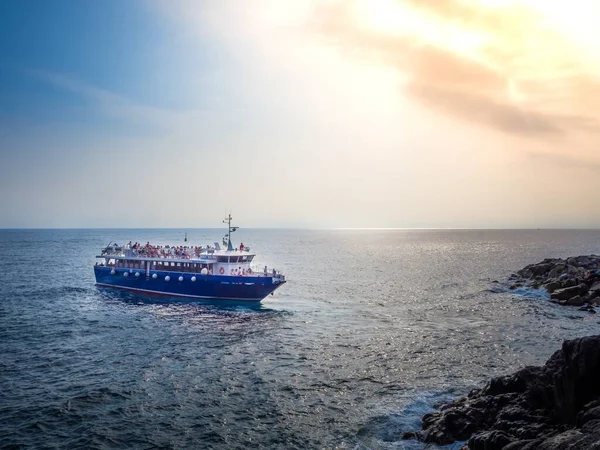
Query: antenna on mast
[[230, 230]]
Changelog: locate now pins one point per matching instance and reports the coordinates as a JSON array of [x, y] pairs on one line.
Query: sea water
[[373, 328]]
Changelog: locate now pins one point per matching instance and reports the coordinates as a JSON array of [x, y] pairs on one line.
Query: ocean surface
[[372, 329]]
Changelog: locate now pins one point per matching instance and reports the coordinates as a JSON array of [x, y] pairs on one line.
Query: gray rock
[[572, 440], [575, 382], [572, 261], [558, 302], [556, 271], [528, 444], [590, 413], [552, 285], [575, 301], [491, 440], [566, 293]]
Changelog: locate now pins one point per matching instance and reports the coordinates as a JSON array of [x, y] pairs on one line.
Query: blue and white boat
[[208, 273]]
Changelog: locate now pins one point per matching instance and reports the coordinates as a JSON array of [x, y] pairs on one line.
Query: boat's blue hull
[[209, 287]]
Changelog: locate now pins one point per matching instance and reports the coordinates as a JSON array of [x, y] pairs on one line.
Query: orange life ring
[[221, 271]]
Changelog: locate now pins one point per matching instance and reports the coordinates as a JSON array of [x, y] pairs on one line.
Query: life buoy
[[221, 271]]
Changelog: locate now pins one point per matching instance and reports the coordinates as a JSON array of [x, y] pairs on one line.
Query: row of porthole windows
[[154, 276]]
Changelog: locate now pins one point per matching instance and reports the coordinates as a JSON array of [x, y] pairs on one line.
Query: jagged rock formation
[[573, 281], [553, 407]]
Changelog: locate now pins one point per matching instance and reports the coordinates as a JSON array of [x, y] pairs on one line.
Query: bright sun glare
[[575, 21], [397, 17]]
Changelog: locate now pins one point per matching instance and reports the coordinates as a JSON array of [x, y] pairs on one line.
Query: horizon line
[[313, 228]]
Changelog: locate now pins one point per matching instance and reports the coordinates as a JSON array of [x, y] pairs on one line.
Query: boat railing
[[141, 253], [266, 272]]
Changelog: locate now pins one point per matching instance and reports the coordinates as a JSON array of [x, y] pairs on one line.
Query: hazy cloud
[[485, 110], [503, 67]]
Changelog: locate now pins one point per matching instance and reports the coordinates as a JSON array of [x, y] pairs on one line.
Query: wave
[[386, 431], [525, 291]]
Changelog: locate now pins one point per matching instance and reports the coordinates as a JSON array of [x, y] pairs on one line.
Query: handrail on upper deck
[[125, 252]]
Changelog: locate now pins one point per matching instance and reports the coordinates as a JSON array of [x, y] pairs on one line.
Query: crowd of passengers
[[166, 251]]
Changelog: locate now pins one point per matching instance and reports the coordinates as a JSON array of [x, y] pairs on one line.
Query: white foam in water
[[385, 431], [531, 293]]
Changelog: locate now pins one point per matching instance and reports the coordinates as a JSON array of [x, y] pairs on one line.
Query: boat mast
[[229, 230]]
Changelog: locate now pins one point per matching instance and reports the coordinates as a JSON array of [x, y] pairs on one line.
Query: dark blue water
[[371, 330]]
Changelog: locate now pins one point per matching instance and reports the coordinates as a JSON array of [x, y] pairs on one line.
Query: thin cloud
[[114, 105]]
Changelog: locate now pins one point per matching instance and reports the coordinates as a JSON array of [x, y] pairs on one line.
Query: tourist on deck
[[241, 246]]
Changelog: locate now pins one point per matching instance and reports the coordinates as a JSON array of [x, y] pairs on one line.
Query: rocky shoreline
[[553, 407], [573, 281]]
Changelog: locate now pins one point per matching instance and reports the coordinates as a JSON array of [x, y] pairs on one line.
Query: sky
[[300, 113]]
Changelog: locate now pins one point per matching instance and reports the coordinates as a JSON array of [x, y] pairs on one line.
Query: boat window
[[244, 258], [250, 258]]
